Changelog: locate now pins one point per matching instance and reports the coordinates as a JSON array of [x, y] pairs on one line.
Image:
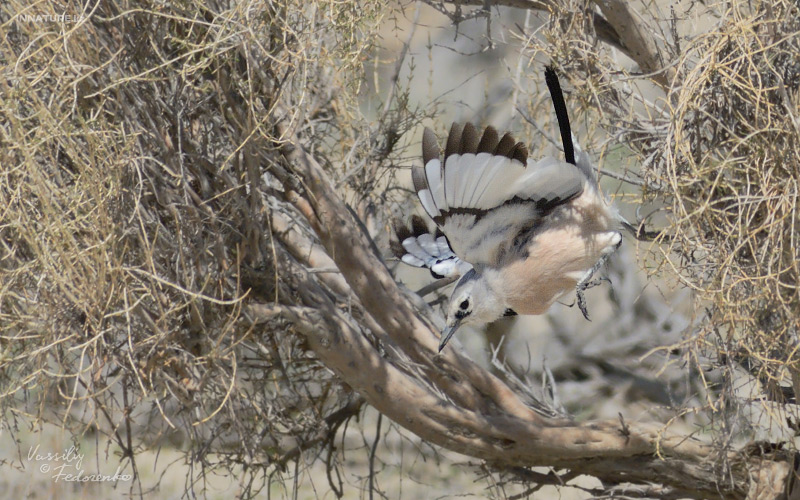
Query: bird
[[519, 234]]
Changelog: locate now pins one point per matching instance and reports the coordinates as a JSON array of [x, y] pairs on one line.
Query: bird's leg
[[593, 283], [586, 282]]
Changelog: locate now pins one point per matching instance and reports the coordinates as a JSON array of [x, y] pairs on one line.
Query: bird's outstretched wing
[[485, 193], [419, 247]]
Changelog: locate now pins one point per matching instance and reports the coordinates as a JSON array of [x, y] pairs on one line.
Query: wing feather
[[550, 182], [428, 243], [499, 181], [474, 173], [418, 247], [489, 141], [450, 179], [484, 192], [433, 173], [421, 186], [466, 168], [505, 145], [468, 144], [430, 146], [453, 146]]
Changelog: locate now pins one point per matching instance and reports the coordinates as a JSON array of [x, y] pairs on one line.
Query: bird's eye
[[464, 305]]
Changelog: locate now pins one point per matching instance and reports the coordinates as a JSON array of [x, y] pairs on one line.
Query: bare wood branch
[[618, 26], [376, 288], [639, 45], [303, 248]]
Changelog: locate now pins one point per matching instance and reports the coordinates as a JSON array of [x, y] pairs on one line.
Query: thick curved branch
[[607, 449]]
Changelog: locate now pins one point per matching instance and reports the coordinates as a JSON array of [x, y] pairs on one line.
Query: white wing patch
[[498, 182], [481, 181], [434, 253], [485, 193], [433, 175]]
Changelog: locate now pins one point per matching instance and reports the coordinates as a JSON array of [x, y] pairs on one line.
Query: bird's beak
[[448, 332]]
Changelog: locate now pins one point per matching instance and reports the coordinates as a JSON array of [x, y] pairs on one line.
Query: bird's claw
[[582, 303], [582, 287]]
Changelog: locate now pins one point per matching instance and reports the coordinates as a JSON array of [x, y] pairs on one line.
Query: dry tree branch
[[617, 26], [636, 40]]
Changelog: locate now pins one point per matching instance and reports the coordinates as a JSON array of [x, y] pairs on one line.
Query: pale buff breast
[[558, 255]]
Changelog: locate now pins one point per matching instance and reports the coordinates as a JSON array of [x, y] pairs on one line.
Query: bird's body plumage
[[556, 256], [535, 227], [521, 233]]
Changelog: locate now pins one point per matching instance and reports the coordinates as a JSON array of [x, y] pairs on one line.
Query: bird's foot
[[582, 287], [586, 282]]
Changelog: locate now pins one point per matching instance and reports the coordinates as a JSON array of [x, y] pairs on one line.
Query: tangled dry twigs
[[734, 178]]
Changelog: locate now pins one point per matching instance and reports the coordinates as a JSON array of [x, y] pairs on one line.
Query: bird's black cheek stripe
[[461, 314]]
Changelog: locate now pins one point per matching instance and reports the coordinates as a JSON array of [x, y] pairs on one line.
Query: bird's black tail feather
[[562, 116]]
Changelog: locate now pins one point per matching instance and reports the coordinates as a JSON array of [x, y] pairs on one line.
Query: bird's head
[[472, 302]]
